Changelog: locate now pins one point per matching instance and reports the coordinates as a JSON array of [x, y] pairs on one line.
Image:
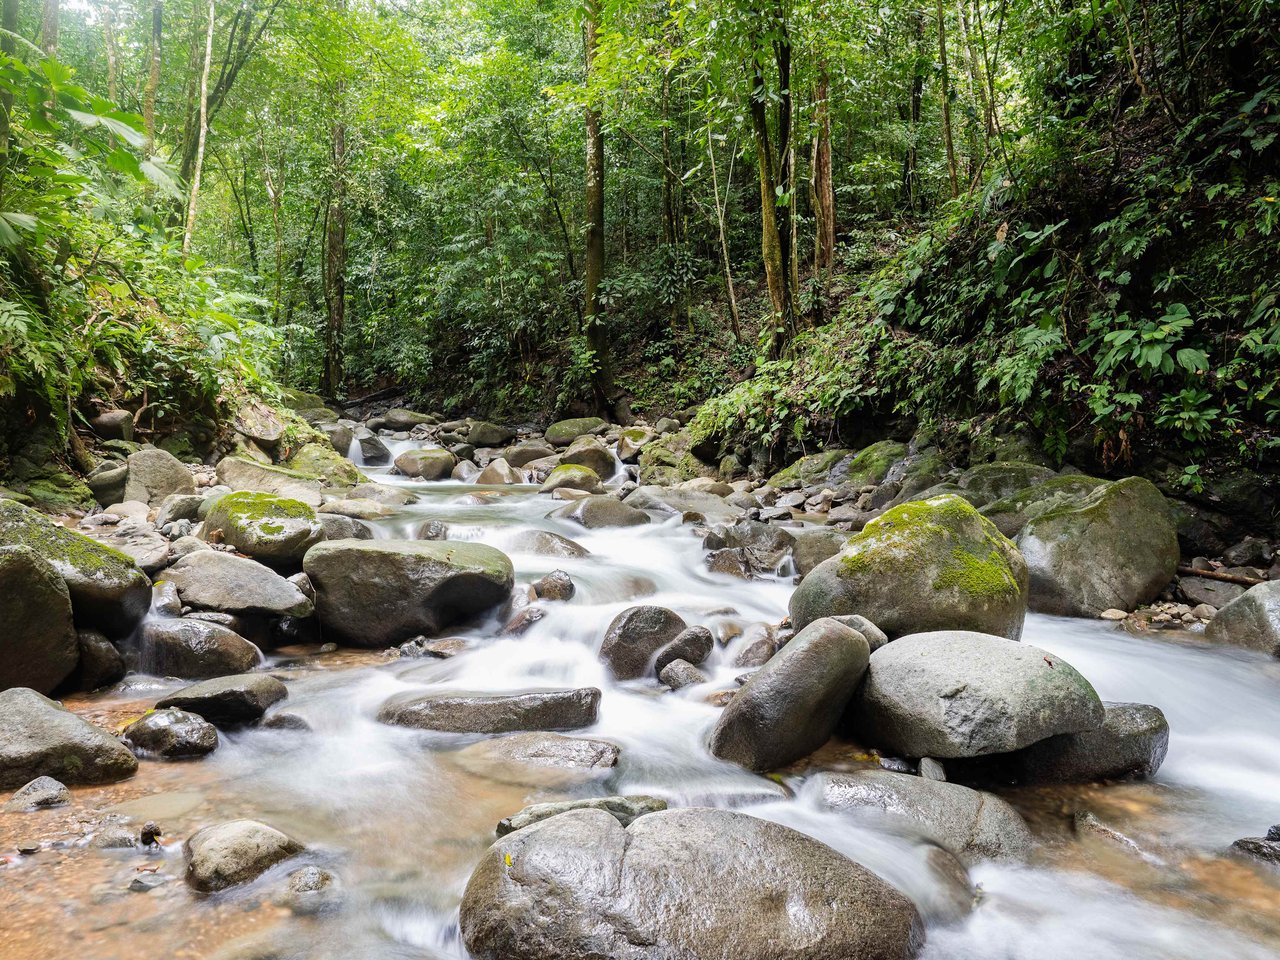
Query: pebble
[[1114, 614], [146, 882]]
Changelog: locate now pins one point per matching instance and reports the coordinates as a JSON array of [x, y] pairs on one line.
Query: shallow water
[[401, 816]]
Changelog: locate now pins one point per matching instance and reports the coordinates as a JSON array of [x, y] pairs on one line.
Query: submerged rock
[[537, 758], [598, 512], [41, 793], [39, 647], [38, 737], [693, 883], [625, 810], [376, 593], [229, 701], [635, 635], [493, 713], [236, 852], [172, 734], [547, 544]]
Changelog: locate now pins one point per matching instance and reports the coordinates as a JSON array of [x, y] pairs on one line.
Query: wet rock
[[794, 703], [39, 649], [687, 883], [400, 418], [971, 824], [570, 476], [481, 433], [522, 621], [626, 810], [957, 693], [194, 650], [493, 713], [433, 464], [465, 472], [499, 473], [556, 585], [146, 882], [929, 565], [154, 475], [1114, 547], [693, 645], [284, 720], [341, 527], [108, 592], [1198, 590], [268, 528], [731, 562], [590, 453], [564, 432], [597, 512], [1258, 848], [40, 738], [213, 580], [384, 494], [876, 637], [241, 473], [1251, 621], [673, 501], [138, 540], [635, 635], [537, 758], [1131, 743], [441, 649], [40, 793], [229, 701], [813, 545], [679, 674], [233, 853], [432, 530], [526, 452], [172, 734], [416, 587], [309, 891], [546, 544], [100, 663], [632, 441]]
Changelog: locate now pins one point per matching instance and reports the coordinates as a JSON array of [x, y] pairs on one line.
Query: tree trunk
[[593, 316], [910, 165], [947, 139], [203, 133], [113, 54], [824, 195], [771, 244], [49, 28], [153, 77], [335, 258], [9, 24], [724, 240]]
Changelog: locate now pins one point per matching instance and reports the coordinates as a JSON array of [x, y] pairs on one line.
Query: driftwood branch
[[1224, 577]]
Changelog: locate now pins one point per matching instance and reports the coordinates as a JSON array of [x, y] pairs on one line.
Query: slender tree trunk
[[910, 163], [277, 224], [593, 270], [724, 240], [786, 166], [771, 246], [202, 134], [113, 54], [153, 76], [824, 196], [49, 28], [947, 138], [335, 260], [9, 22]]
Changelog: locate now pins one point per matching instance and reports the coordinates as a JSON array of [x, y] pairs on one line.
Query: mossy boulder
[[375, 593], [59, 491], [241, 473], [931, 565], [154, 475], [631, 441], [320, 459], [402, 418], [259, 423], [669, 460], [434, 464], [38, 645], [272, 529], [590, 452], [301, 400], [108, 591], [563, 432], [808, 470], [482, 433], [572, 476], [1115, 547], [1010, 514], [598, 512], [870, 465], [1003, 478]]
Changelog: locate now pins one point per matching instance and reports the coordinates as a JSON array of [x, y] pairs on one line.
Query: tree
[[198, 163], [593, 270]]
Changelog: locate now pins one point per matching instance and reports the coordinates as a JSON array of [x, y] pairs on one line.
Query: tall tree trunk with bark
[[724, 238], [824, 194], [593, 269], [910, 162], [771, 237], [153, 75], [113, 53], [203, 133], [947, 139], [49, 27], [335, 258], [9, 23]]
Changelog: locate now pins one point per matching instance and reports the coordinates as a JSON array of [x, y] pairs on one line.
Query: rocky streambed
[[390, 716]]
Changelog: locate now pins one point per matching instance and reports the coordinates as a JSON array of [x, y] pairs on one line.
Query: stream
[[401, 816]]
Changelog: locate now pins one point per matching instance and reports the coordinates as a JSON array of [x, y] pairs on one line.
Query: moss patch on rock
[[669, 460]]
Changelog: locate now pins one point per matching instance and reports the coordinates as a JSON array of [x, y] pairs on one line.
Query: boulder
[[40, 794], [955, 693], [1131, 743], [632, 441], [692, 645], [107, 482], [340, 436], [563, 432], [971, 824], [689, 884], [679, 674], [590, 452], [266, 527], [171, 734], [375, 593], [400, 418], [372, 450], [572, 477], [536, 758], [113, 425], [556, 585], [38, 646], [1216, 593], [671, 458], [38, 738], [765, 546], [341, 527], [1013, 512], [229, 701], [493, 713], [240, 473], [1252, 620], [138, 540], [179, 506], [154, 475], [626, 810], [433, 464], [330, 466], [809, 470], [481, 433], [108, 592], [992, 481], [236, 852], [793, 704], [212, 580], [675, 502], [194, 650], [259, 423], [100, 663], [1114, 548], [598, 512], [929, 565], [499, 473], [526, 452], [546, 544], [813, 545], [634, 636]]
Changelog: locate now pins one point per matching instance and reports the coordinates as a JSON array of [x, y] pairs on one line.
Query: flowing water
[[401, 816]]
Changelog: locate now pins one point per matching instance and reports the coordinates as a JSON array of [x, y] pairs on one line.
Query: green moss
[[22, 526], [59, 491], [872, 464], [978, 577], [809, 469], [248, 507], [319, 459]]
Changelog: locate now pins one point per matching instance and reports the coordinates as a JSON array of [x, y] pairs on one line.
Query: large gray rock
[[494, 713], [38, 738], [590, 453], [1131, 743], [526, 451], [172, 734], [401, 418], [675, 501], [241, 473], [1114, 548], [108, 591], [499, 473], [100, 663], [138, 540], [236, 852], [1251, 620], [546, 544], [692, 645], [971, 824], [793, 704], [212, 580], [266, 527], [538, 758], [1012, 513], [935, 564], [813, 545], [679, 884], [598, 512], [38, 646], [626, 810], [481, 433], [194, 650], [635, 635], [956, 693], [563, 432], [154, 475], [228, 701], [570, 476], [991, 481], [432, 464], [375, 593]]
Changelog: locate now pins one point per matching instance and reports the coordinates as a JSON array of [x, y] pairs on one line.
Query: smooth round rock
[[494, 713], [38, 645], [233, 853], [40, 738], [1131, 744], [172, 734], [229, 701], [1251, 621], [194, 650], [599, 512], [635, 635]]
